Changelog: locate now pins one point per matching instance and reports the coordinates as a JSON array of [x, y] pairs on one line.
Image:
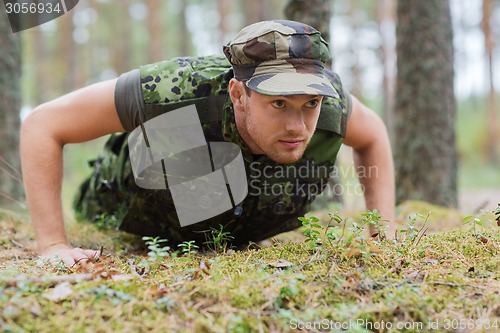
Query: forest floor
[[443, 273]]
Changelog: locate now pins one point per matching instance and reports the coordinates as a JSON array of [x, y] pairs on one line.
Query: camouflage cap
[[281, 58]]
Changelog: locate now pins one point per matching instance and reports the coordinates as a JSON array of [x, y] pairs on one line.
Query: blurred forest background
[[99, 39]]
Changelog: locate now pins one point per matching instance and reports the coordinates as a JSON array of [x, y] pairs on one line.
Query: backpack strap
[[335, 111]]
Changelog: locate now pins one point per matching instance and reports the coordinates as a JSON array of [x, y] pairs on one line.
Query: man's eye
[[278, 103], [312, 103]]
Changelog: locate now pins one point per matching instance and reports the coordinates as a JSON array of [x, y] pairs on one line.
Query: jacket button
[[279, 207], [238, 211]]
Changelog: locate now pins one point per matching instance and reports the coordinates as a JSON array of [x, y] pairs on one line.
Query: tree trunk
[[10, 101], [224, 7], [185, 38], [425, 151], [386, 17], [122, 51], [355, 22], [156, 30], [315, 13], [254, 11], [492, 111], [66, 70], [43, 69]]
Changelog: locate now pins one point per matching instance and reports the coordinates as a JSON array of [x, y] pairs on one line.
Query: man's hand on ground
[[68, 255]]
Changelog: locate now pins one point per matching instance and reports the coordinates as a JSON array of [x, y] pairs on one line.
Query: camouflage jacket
[[277, 194]]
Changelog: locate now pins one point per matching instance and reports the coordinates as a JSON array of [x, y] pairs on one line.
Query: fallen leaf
[[35, 308], [59, 292], [353, 252], [483, 239], [431, 260], [416, 275], [281, 263], [202, 270], [122, 277]]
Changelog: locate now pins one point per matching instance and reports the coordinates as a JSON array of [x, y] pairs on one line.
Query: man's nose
[[295, 122]]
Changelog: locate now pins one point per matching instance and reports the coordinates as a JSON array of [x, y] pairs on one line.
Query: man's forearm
[[41, 157], [79, 116], [376, 175]]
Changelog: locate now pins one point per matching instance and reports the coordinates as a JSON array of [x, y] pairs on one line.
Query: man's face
[[279, 126]]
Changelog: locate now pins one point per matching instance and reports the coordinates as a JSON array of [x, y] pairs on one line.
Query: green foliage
[[372, 219], [287, 293], [238, 324], [474, 221], [108, 293], [218, 239], [321, 239], [412, 233], [56, 263], [480, 222], [188, 247], [312, 231], [106, 221], [165, 303], [332, 231], [157, 251]]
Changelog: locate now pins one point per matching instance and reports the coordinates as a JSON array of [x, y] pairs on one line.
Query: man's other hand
[[68, 255]]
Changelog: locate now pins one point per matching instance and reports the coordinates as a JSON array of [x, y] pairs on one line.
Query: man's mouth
[[291, 143]]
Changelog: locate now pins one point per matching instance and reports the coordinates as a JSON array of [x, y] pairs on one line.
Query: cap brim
[[283, 84]]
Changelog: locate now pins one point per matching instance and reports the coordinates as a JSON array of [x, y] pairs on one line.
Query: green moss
[[445, 275]]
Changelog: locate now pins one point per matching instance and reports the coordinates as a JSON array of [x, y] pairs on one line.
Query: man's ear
[[237, 94]]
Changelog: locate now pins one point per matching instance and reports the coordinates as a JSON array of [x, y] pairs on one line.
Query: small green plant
[[373, 219], [478, 221], [474, 221], [188, 247], [238, 324], [357, 244], [218, 239], [332, 230], [55, 262], [106, 221], [287, 293], [370, 218], [115, 296], [157, 251], [412, 231], [165, 303], [413, 234], [312, 231]]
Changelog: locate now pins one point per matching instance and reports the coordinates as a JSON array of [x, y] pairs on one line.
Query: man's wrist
[[48, 247]]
